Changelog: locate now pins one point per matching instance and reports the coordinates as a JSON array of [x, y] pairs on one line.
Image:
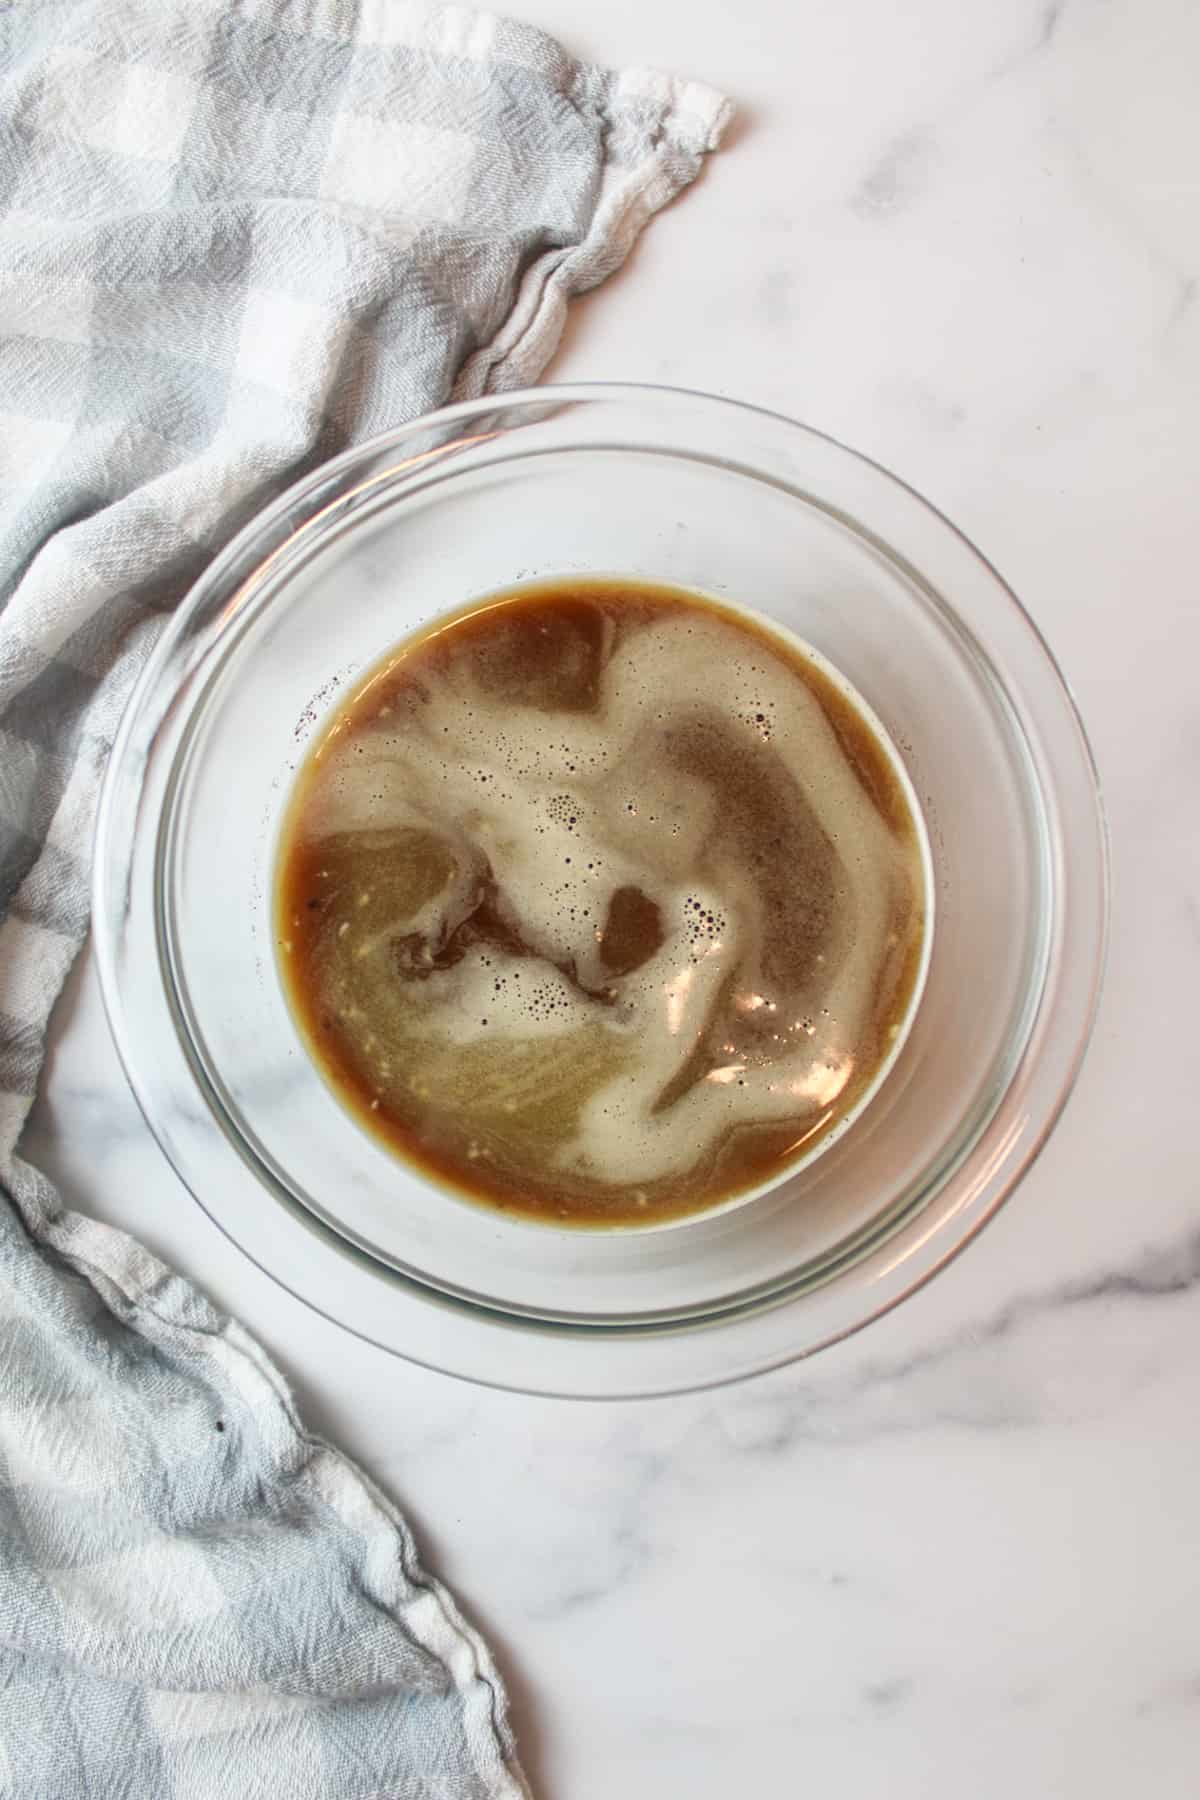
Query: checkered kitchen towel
[[232, 239]]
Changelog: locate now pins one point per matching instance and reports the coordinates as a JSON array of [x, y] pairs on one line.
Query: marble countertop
[[957, 1554]]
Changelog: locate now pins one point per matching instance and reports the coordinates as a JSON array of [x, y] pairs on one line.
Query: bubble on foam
[[755, 711], [704, 925]]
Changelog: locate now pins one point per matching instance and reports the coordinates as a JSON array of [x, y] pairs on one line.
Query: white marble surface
[[960, 1553]]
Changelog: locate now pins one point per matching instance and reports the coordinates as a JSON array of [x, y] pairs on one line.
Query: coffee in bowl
[[602, 903]]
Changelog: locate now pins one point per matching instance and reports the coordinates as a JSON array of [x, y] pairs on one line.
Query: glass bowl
[[666, 487]]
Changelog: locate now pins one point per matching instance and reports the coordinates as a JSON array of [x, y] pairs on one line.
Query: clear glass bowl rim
[[1056, 1051]]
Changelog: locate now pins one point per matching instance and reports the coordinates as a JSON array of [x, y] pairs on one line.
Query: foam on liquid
[[601, 902]]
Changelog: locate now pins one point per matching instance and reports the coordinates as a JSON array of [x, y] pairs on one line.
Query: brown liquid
[[599, 903]]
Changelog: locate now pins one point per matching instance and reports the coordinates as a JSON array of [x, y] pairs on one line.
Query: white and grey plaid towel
[[232, 239]]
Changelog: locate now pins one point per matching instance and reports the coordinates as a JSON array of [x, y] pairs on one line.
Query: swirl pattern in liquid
[[600, 903]]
